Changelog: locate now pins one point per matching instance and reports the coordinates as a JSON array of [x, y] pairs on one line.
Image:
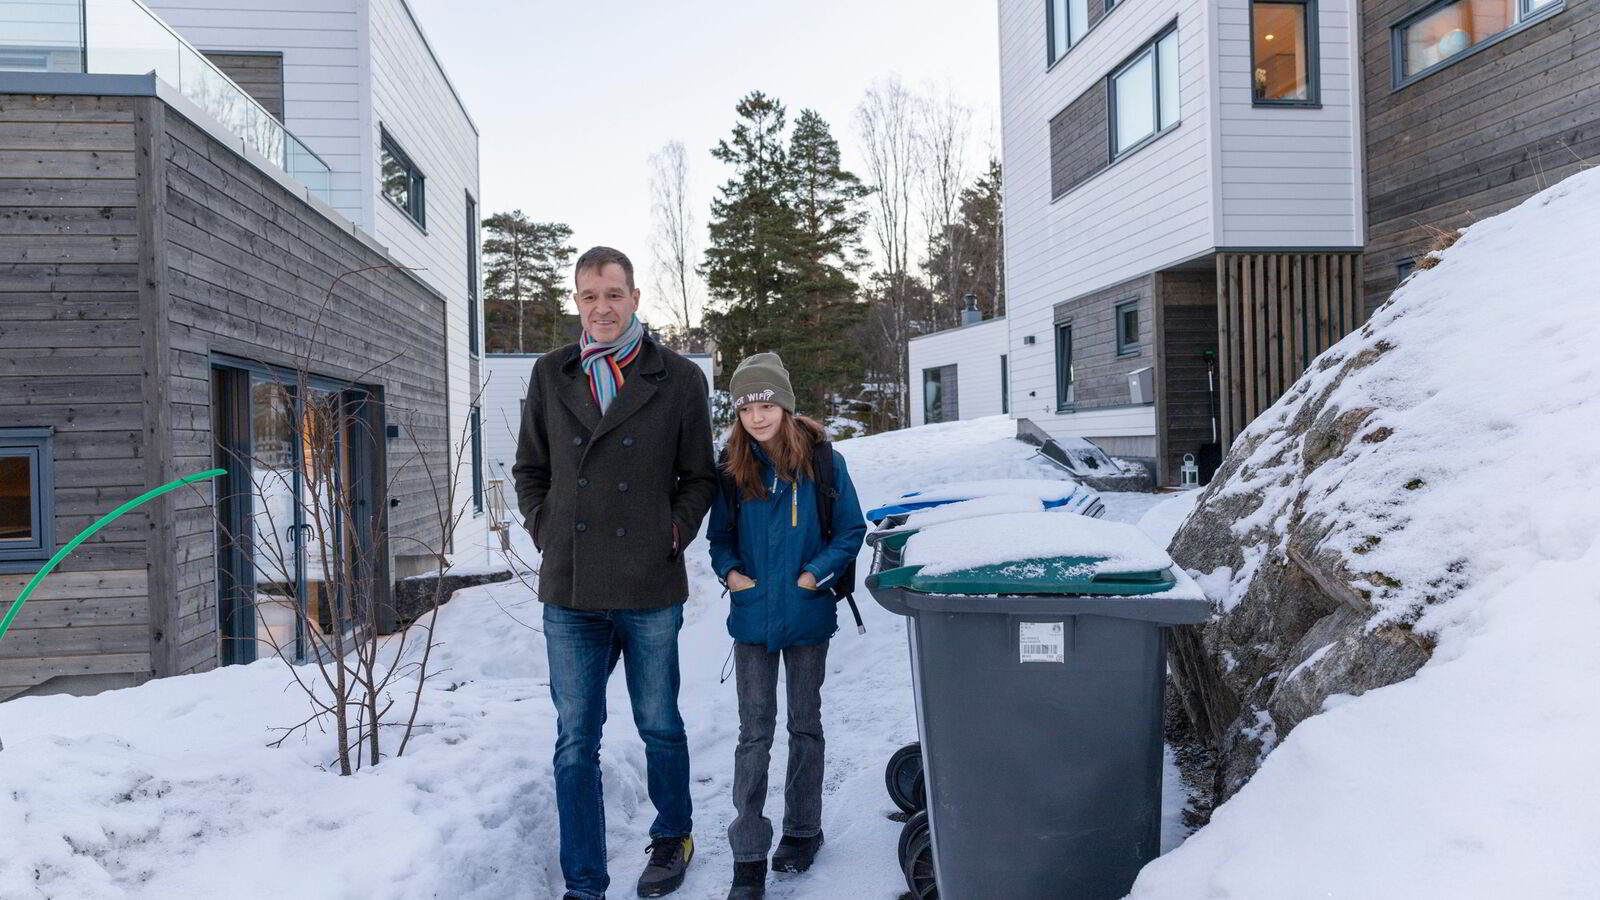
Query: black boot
[[749, 881], [795, 854]]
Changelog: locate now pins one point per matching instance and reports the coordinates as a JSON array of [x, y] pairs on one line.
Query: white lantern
[[1189, 474]]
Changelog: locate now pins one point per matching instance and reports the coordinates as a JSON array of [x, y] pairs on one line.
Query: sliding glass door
[[297, 537]]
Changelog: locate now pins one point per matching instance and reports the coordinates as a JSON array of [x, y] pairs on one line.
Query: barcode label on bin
[[1043, 642]]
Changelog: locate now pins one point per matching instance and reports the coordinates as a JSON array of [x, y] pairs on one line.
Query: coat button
[[622, 532], [627, 442], [577, 441], [583, 482], [582, 527], [623, 487]]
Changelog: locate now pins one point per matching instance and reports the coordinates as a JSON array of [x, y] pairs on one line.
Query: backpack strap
[[844, 587]]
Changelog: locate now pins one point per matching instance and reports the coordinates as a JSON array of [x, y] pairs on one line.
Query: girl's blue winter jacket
[[778, 538]]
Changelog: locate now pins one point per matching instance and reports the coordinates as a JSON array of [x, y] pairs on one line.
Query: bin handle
[[892, 578]]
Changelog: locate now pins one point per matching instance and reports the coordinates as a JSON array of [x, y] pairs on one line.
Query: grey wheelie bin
[[1038, 683]]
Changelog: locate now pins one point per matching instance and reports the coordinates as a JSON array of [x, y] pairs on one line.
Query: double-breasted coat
[[601, 494]]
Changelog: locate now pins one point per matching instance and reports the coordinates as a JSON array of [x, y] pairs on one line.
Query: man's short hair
[[597, 258]]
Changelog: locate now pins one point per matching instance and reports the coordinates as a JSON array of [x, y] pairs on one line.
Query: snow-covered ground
[[169, 790]]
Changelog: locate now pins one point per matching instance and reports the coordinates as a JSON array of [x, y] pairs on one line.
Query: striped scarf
[[603, 361]]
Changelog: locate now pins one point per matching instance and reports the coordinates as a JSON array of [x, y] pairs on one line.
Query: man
[[614, 473]]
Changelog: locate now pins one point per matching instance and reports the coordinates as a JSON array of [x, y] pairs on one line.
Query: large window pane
[[1059, 41], [1453, 29], [1167, 74], [16, 499], [1068, 21], [1281, 52], [1134, 90], [1078, 13]]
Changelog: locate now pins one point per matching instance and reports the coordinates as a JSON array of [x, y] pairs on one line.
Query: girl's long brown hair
[[790, 452]]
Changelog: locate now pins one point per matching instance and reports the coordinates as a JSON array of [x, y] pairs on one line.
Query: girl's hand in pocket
[[738, 581], [807, 581]]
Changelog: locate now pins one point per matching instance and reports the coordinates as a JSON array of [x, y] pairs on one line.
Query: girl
[[767, 546]]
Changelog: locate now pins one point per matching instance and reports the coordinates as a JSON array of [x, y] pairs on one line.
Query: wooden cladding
[[1275, 313]]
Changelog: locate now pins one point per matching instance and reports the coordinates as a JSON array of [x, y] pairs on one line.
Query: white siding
[[322, 64], [1289, 176], [975, 351], [1152, 209], [413, 100], [505, 386]]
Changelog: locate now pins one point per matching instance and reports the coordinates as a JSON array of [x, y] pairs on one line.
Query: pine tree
[[821, 303], [525, 267], [972, 250], [749, 260]]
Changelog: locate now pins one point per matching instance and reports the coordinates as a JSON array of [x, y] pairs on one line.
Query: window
[[1283, 52], [1144, 94], [1066, 21], [1444, 31], [402, 182], [1404, 269], [26, 481], [477, 459], [1127, 328], [1063, 367], [934, 384], [1005, 387], [472, 275]]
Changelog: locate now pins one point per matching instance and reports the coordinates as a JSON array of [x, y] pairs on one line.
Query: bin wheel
[[919, 869], [915, 827], [903, 778]]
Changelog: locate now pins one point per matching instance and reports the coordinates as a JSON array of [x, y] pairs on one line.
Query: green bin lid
[[1077, 575]]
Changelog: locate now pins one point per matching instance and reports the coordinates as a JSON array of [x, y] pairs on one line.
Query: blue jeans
[[584, 646]]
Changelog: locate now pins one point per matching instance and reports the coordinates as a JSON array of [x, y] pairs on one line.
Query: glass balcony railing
[[123, 37]]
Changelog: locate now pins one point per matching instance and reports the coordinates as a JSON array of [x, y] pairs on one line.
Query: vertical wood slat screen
[[1276, 312]]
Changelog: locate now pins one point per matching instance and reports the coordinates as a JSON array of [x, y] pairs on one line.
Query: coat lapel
[[637, 389], [576, 395]]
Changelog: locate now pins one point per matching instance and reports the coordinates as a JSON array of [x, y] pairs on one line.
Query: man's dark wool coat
[[600, 495]]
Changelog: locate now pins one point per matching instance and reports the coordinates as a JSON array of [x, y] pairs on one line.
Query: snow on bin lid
[[1000, 539], [1045, 490]]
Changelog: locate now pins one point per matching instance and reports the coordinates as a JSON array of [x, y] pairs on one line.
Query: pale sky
[[572, 98]]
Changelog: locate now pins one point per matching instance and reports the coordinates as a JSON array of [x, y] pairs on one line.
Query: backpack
[[844, 586]]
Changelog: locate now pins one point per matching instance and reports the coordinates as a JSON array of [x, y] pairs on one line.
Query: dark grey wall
[[1079, 140], [247, 269], [260, 74], [1101, 375], [1476, 137]]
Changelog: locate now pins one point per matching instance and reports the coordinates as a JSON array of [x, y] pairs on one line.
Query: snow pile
[[995, 540], [1467, 506]]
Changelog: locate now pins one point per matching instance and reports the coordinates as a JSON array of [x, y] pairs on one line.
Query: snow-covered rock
[[1420, 511]]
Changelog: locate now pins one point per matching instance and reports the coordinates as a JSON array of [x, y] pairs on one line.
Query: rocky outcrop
[[1296, 622]]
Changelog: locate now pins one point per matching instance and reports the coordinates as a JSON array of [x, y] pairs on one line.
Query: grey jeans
[[750, 835]]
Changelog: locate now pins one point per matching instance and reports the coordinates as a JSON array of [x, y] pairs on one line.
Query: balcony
[[123, 37]]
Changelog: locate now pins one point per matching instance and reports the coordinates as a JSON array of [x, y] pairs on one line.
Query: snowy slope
[[168, 790], [1474, 491]]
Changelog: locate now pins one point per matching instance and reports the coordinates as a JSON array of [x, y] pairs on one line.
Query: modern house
[[1202, 195], [960, 373], [182, 207], [1183, 213]]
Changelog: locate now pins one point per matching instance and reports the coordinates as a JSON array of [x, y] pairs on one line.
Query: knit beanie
[[761, 378]]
